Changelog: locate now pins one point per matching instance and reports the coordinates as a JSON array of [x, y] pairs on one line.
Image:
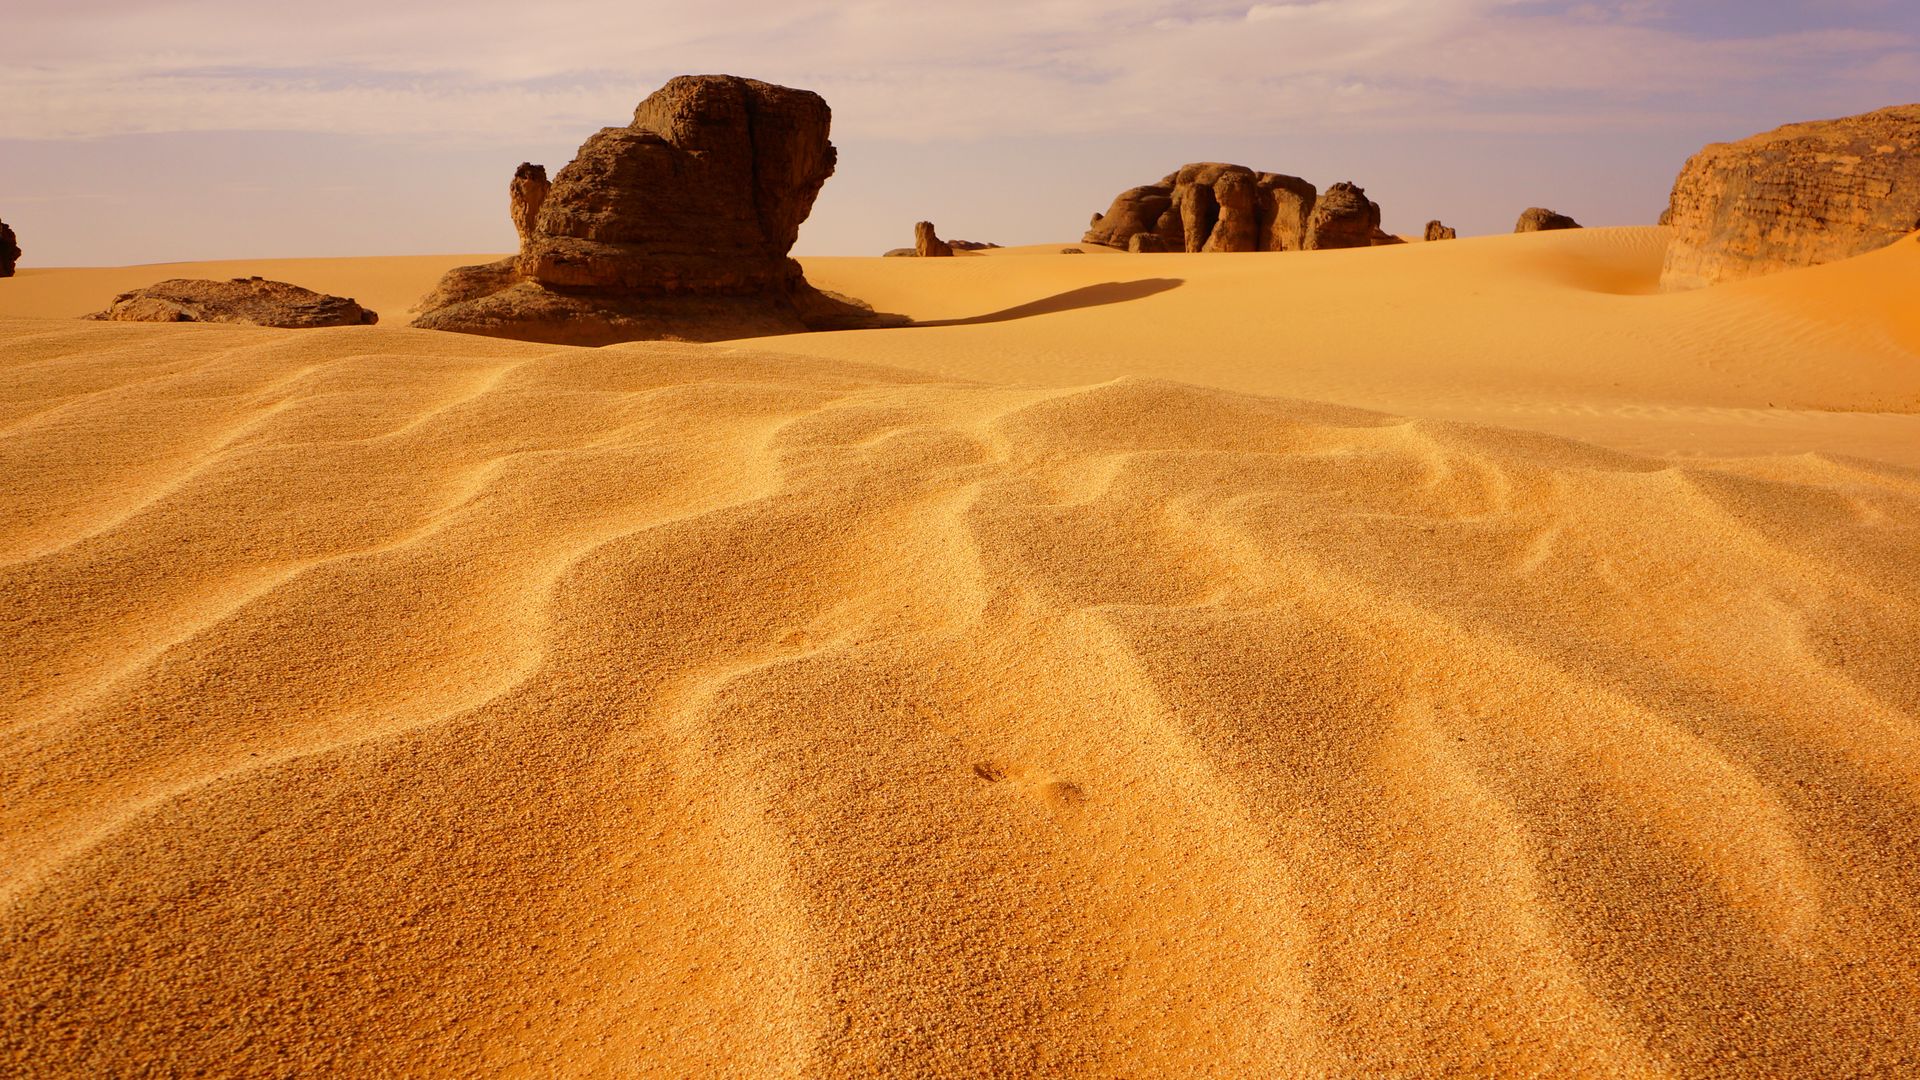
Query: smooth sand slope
[[954, 701]]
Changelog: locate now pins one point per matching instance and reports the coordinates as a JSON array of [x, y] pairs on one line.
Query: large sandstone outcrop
[[249, 301], [9, 250], [1801, 195], [1540, 219], [1212, 206], [675, 226], [927, 243], [1438, 231]]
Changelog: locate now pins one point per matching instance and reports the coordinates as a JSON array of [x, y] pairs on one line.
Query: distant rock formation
[[925, 237], [1437, 231], [1538, 219], [675, 226], [249, 301], [9, 250], [927, 244], [1800, 195], [1212, 206]]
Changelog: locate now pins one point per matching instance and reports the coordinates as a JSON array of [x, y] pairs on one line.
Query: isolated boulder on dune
[[927, 243], [248, 301], [1438, 231], [1800, 195], [675, 226], [1540, 219], [9, 250]]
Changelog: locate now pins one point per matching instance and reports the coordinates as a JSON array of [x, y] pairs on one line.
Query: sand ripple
[[473, 707]]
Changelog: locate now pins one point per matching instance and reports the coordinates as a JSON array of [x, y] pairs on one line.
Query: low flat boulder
[[248, 301], [1540, 219]]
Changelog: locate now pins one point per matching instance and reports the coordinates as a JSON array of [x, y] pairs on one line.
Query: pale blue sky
[[136, 132]]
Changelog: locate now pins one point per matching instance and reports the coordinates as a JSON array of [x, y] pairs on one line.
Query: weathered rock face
[[526, 195], [1212, 206], [248, 301], [675, 226], [1343, 218], [1801, 195], [927, 243], [1537, 219], [1437, 231], [9, 250]]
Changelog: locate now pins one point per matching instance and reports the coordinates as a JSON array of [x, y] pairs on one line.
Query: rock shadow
[[1111, 292]]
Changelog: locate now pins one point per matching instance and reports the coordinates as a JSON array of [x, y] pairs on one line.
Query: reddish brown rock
[[1343, 218], [1437, 231], [250, 301], [927, 243], [1801, 195], [1538, 219], [1213, 206], [1134, 211], [526, 195], [1285, 204], [675, 226], [9, 250]]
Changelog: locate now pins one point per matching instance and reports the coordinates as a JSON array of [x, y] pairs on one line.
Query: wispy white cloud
[[487, 68]]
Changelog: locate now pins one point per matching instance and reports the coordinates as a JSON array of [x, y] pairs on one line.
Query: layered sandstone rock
[[1213, 206], [9, 250], [1438, 231], [1539, 219], [250, 301], [675, 226], [927, 243], [1801, 195]]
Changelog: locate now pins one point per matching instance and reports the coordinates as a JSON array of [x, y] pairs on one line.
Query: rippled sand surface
[[941, 702]]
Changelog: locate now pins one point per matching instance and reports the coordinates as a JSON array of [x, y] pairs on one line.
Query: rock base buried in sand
[[1801, 195], [676, 226], [1211, 206], [250, 301], [927, 243], [1539, 219]]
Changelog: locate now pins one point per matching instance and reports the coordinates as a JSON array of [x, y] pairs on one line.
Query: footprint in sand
[[1058, 794]]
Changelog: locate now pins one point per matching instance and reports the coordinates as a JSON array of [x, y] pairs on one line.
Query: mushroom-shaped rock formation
[[1539, 219], [249, 301], [1801, 195], [676, 226]]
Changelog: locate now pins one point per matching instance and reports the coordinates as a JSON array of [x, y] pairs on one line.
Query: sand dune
[[1243, 676]]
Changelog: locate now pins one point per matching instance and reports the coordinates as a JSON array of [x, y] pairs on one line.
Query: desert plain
[[1441, 659]]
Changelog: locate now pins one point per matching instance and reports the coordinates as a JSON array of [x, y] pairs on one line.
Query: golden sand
[[1244, 676]]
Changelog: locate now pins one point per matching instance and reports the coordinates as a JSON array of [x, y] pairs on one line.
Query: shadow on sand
[[1112, 292]]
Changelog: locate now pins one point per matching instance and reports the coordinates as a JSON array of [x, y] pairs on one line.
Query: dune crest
[[385, 701]]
